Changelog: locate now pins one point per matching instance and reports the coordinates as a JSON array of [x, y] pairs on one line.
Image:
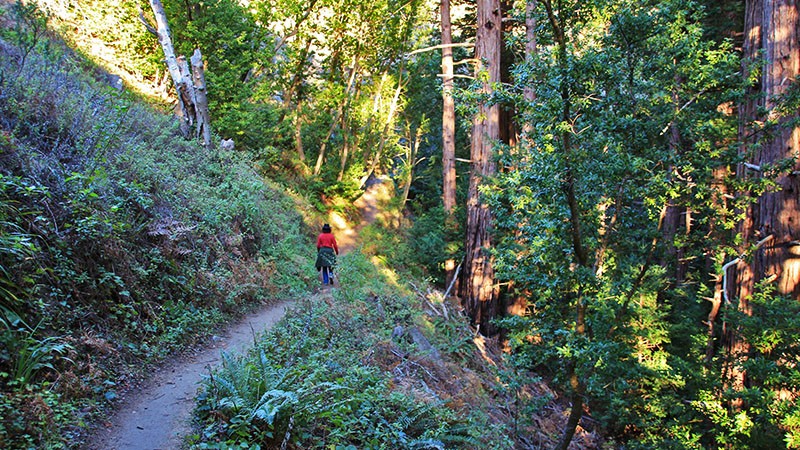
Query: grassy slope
[[120, 242]]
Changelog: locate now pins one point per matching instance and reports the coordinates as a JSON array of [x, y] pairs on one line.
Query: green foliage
[[29, 416], [767, 417], [631, 127], [15, 247], [420, 249], [311, 383], [29, 29]]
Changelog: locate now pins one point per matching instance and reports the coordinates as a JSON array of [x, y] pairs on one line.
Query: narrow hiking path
[[157, 416]]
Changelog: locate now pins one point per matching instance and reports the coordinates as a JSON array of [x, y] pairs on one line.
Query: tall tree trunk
[[516, 303], [771, 31], [448, 114], [478, 291], [778, 212], [448, 128]]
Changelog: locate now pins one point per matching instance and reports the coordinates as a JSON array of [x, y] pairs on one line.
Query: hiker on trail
[[326, 254]]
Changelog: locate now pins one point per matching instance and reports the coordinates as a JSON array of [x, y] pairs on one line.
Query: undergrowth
[[120, 242], [342, 371]]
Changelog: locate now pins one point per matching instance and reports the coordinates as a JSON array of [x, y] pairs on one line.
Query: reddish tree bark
[[448, 128], [478, 291], [448, 114], [773, 221]]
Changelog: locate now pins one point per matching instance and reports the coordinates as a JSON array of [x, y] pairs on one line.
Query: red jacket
[[327, 240]]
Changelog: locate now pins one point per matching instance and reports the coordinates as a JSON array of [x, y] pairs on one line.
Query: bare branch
[[440, 46], [150, 28], [468, 77]]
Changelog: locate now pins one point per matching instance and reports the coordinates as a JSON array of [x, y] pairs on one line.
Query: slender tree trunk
[[387, 125], [377, 100], [345, 153], [181, 84], [203, 118], [335, 121], [448, 115], [528, 92], [719, 191], [298, 140], [448, 129], [576, 234], [411, 161], [297, 79], [478, 291], [517, 303]]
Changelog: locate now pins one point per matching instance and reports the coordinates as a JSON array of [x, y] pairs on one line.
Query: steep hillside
[[120, 242]]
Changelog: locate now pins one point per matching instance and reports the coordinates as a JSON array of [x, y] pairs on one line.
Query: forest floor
[[157, 415]]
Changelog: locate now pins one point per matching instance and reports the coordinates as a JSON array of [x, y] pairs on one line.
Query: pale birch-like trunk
[[203, 118], [181, 84]]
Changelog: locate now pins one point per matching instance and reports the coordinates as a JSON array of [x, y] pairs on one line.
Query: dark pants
[[326, 260]]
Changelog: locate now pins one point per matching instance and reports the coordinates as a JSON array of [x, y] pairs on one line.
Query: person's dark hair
[[326, 228]]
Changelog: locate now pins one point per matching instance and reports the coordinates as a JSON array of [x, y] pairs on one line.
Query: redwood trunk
[[772, 28], [771, 32], [530, 51], [448, 114], [778, 212], [478, 291]]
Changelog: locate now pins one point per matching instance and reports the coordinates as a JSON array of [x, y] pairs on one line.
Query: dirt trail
[[157, 416], [369, 205]]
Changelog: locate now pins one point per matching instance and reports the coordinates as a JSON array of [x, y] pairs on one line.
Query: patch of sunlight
[[339, 223], [480, 344], [380, 264]]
